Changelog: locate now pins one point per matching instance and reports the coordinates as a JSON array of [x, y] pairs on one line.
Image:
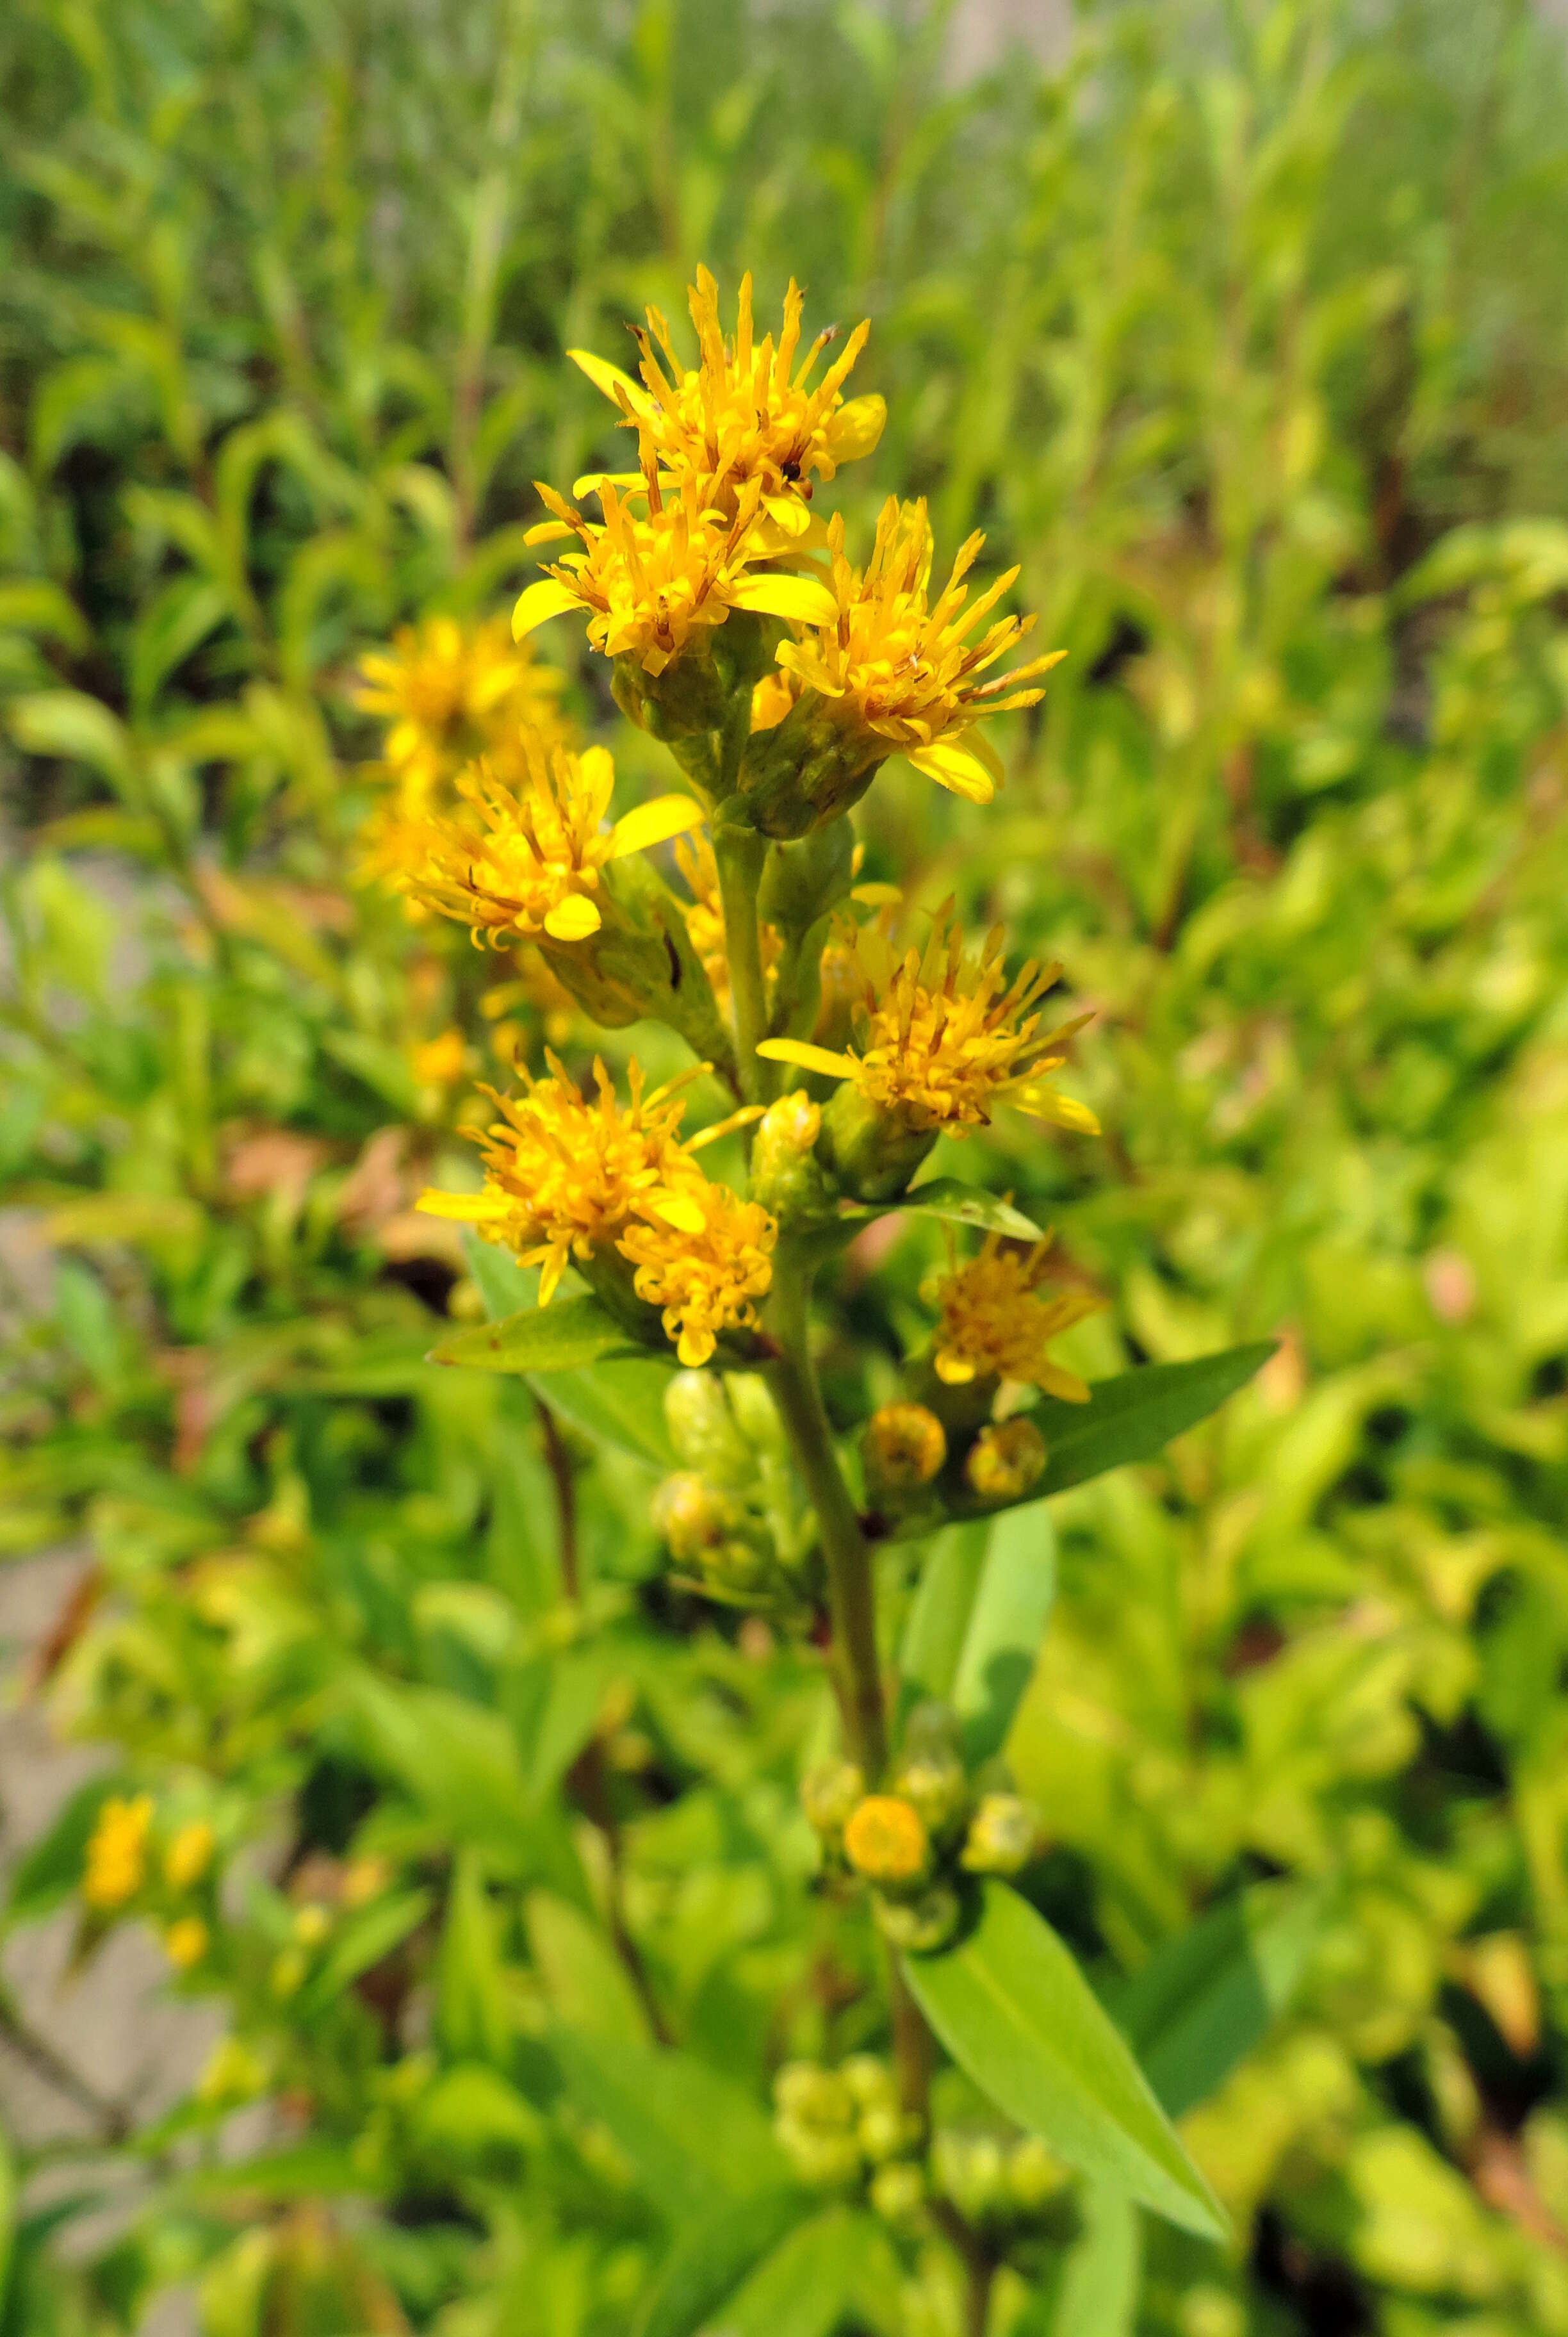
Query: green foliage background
[[1247, 336]]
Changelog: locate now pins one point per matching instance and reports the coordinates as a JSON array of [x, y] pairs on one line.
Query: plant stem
[[739, 852], [852, 1595]]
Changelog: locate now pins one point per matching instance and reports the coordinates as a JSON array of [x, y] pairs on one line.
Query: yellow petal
[[956, 767], [1058, 1383], [547, 531], [548, 598], [876, 896], [594, 483], [679, 1210], [609, 380], [469, 1208], [808, 1058], [803, 600], [857, 427], [1059, 1110], [573, 919], [654, 823], [788, 513]]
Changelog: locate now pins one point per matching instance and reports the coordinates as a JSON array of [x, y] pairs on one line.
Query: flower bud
[[703, 1430], [802, 882], [971, 2170], [872, 1152], [785, 1175], [1002, 1836], [934, 1781], [755, 1413], [185, 1942], [1003, 1463], [886, 1842], [830, 1795], [691, 1517], [904, 1447], [1034, 2175], [189, 1855], [870, 2080], [919, 1925], [897, 2192], [805, 2091], [882, 2132], [807, 769]]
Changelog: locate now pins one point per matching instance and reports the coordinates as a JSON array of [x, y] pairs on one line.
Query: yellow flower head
[[653, 580], [694, 856], [905, 1445], [746, 412], [941, 1036], [520, 855], [116, 1851], [446, 691], [565, 1176], [885, 1840], [1006, 1462], [189, 1855], [185, 1942], [996, 1324], [903, 673], [706, 1278]]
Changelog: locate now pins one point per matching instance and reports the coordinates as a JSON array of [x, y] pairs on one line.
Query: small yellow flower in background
[[565, 1176], [652, 580], [942, 1036], [885, 1841], [446, 689], [706, 1280], [440, 1062], [312, 1923], [189, 1855], [995, 1323], [521, 857], [116, 1860], [746, 412], [1006, 1463], [185, 1943], [694, 856], [902, 672]]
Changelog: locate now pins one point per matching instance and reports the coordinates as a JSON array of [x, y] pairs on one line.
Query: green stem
[[846, 1554], [740, 852]]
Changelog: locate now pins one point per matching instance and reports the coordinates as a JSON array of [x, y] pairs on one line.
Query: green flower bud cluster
[[728, 1518], [913, 1841], [843, 2130], [995, 2179]]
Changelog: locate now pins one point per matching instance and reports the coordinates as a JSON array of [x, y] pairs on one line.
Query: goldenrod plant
[[812, 1778]]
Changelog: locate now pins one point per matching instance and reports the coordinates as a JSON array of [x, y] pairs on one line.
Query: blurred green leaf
[[1012, 2008], [560, 1337]]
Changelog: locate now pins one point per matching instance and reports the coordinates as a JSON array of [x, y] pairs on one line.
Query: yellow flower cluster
[[895, 669], [995, 1323], [942, 1035], [446, 693], [567, 1178], [521, 854], [116, 1861]]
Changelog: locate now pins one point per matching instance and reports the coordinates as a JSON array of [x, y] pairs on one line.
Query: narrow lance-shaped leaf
[[1007, 1623], [1016, 2013], [562, 1337], [711, 2258]]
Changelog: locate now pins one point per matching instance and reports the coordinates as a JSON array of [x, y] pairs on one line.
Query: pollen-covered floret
[[566, 1176], [746, 411], [521, 852], [652, 579], [940, 1035], [901, 671], [996, 1322]]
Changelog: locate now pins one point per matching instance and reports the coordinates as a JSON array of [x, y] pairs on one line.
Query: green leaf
[[839, 2263], [473, 2113], [582, 1977], [1013, 1599], [620, 1403], [939, 1613], [1135, 1417], [473, 2019], [50, 1869], [78, 730], [691, 2137], [1100, 2277], [708, 2263], [957, 1204], [455, 1759], [1016, 2013], [573, 1332], [1206, 1998], [366, 1940]]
